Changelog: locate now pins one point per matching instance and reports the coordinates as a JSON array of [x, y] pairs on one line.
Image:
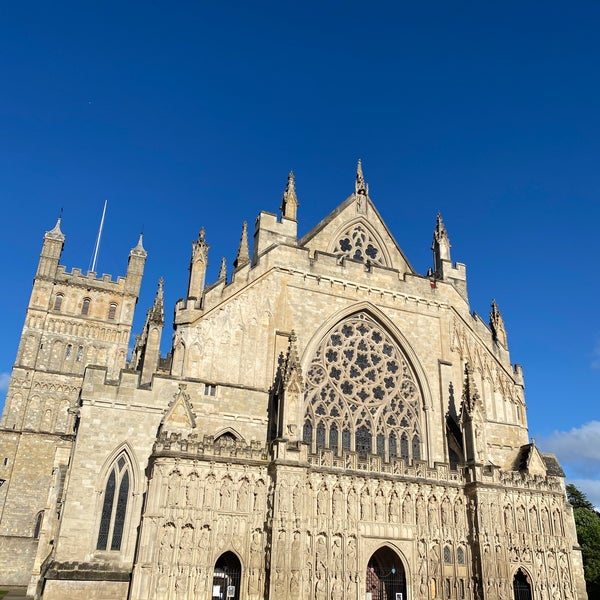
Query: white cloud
[[577, 449], [4, 379]]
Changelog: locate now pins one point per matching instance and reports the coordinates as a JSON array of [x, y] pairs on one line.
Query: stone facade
[[328, 424]]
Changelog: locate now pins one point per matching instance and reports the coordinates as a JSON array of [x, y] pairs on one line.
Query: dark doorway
[[522, 586], [385, 578], [226, 577]]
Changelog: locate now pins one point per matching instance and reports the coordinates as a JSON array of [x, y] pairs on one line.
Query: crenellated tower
[[73, 320]]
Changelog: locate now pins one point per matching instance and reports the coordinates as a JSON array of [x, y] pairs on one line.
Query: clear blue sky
[[192, 113]]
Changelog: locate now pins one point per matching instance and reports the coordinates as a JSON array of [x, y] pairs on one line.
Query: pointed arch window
[[85, 306], [58, 302], [112, 311], [114, 506], [360, 384]]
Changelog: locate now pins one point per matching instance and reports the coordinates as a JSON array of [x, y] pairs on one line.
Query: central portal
[[385, 578]]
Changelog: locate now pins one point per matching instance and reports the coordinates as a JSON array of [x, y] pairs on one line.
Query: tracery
[[358, 243], [361, 393]]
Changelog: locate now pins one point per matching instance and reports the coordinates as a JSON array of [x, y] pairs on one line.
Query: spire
[[198, 264], [55, 233], [243, 256], [440, 247], [156, 313], [440, 234], [497, 325], [293, 369], [470, 396], [223, 269], [361, 188], [289, 202], [139, 248]]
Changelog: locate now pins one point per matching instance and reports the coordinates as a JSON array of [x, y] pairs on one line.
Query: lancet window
[[114, 506], [362, 394], [358, 243]]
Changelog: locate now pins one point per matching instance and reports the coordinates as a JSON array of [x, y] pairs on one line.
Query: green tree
[[587, 522]]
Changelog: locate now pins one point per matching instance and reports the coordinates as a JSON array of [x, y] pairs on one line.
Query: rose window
[[358, 243], [361, 393]]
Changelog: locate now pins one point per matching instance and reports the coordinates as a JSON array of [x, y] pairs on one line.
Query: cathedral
[[328, 424]]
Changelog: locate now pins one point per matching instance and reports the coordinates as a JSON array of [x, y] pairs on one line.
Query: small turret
[[52, 247], [289, 202], [443, 269], [243, 255], [135, 268], [440, 246], [497, 325], [198, 265], [146, 353]]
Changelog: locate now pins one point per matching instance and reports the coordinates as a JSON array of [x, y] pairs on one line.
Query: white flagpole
[[98, 238]]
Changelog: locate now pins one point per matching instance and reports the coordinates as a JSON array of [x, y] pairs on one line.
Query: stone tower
[[73, 320]]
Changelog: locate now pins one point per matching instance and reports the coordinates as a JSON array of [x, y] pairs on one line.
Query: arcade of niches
[[328, 424]]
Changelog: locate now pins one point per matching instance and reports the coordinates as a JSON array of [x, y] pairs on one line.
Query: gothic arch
[[228, 432], [120, 466], [522, 584], [359, 236], [381, 563], [387, 415]]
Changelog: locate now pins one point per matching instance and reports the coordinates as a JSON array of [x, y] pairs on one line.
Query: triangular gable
[[535, 463], [356, 231], [179, 415]]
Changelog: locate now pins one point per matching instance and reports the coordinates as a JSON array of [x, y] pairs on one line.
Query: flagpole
[[98, 238]]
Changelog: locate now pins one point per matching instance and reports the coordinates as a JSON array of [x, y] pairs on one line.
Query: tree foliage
[[587, 522]]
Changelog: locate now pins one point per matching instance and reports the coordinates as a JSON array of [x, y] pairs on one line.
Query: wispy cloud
[[4, 379], [578, 450]]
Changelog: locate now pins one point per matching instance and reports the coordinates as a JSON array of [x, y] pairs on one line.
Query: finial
[[470, 396], [243, 256], [201, 234], [223, 269], [289, 202], [360, 187], [440, 232], [497, 325]]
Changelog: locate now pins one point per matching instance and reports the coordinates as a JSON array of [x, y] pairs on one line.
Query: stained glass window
[[360, 383], [112, 518]]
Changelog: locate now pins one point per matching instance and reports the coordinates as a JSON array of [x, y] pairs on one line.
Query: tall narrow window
[[114, 507], [58, 302], [85, 307], [79, 353], [68, 351], [112, 311]]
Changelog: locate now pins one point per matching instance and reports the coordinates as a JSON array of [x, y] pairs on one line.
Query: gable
[[355, 231]]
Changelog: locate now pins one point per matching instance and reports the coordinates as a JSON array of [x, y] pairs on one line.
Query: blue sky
[[185, 115]]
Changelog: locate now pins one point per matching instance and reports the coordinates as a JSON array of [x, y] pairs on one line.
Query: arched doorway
[[522, 585], [385, 578], [226, 577]]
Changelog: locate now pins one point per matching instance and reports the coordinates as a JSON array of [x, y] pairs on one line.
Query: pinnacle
[[243, 255], [361, 186]]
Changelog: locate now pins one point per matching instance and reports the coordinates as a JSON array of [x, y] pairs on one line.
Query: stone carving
[[243, 495]]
